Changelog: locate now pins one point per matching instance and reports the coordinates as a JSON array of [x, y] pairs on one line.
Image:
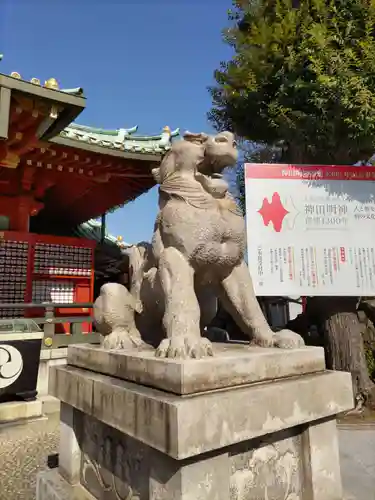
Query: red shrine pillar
[[19, 209], [22, 221], [28, 207]]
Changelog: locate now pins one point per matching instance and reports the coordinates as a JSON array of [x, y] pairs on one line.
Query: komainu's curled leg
[[140, 261], [182, 312], [114, 316], [238, 297]]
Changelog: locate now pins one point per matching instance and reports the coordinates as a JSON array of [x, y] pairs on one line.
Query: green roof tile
[[122, 139]]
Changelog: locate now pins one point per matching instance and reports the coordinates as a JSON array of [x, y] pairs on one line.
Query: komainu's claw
[[184, 347], [121, 339], [286, 339]]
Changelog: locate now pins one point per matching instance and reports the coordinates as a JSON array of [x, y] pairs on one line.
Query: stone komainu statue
[[196, 256]]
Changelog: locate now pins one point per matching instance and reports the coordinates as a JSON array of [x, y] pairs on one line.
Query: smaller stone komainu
[[196, 256]]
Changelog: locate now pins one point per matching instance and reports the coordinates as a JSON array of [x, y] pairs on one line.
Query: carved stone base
[[238, 437], [51, 486]]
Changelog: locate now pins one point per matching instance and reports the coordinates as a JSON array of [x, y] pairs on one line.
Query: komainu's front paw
[[122, 339], [286, 339], [263, 340], [184, 347]]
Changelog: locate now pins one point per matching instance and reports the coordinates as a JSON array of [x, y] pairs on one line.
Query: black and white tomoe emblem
[[11, 364]]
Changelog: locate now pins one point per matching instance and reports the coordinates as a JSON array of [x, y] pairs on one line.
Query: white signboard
[[311, 229]]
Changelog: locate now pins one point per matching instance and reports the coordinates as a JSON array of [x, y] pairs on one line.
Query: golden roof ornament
[[51, 83], [14, 74], [167, 130], [35, 81], [119, 238]]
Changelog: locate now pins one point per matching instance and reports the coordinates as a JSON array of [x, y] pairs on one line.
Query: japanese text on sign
[[311, 229]]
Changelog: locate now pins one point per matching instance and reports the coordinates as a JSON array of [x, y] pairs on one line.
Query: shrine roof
[[122, 140], [91, 230], [77, 172], [112, 255]]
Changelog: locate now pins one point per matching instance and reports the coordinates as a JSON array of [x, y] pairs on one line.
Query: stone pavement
[[24, 450], [23, 453], [357, 453]]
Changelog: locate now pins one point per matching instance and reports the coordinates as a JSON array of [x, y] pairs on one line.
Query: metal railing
[[49, 320]]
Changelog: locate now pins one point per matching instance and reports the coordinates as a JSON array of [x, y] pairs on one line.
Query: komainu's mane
[[181, 183], [186, 188]]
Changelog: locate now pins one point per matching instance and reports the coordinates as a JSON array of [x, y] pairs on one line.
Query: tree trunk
[[344, 348]]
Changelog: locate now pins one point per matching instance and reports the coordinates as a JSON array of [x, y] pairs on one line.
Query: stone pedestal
[[49, 358], [248, 424], [20, 411]]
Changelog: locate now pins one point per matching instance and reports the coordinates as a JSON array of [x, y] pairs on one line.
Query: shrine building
[[56, 178]]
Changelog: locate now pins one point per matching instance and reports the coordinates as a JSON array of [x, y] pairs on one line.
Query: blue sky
[[140, 62]]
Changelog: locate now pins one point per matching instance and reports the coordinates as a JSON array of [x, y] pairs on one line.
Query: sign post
[[311, 229]]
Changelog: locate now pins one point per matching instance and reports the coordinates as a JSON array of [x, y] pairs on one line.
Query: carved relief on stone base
[[117, 467], [267, 469], [114, 466]]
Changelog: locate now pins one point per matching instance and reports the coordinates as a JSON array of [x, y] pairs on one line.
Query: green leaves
[[304, 73]]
